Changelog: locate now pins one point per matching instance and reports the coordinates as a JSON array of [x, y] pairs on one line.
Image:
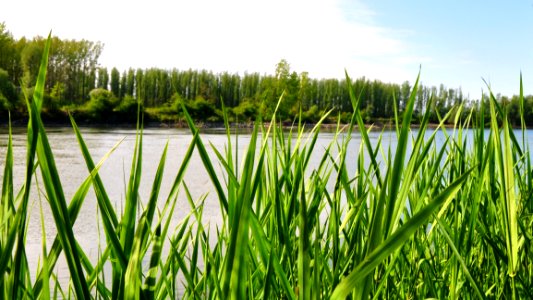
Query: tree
[[100, 105], [139, 85], [442, 100], [58, 93], [303, 96], [103, 79], [89, 54], [292, 91], [405, 92], [162, 87], [267, 89], [31, 60], [8, 95], [75, 63], [123, 83], [149, 87], [130, 82], [250, 86], [283, 70], [227, 90], [245, 111], [115, 82], [8, 57], [287, 83]]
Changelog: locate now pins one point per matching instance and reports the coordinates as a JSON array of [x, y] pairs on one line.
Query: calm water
[[115, 173]]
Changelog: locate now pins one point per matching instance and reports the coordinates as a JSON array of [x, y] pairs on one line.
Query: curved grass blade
[[45, 268], [206, 161], [394, 241], [73, 211], [54, 189], [464, 267], [7, 213], [32, 136]]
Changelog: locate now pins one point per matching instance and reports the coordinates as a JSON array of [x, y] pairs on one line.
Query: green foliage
[[420, 218], [8, 51], [103, 79], [58, 93], [100, 105], [8, 95], [127, 107], [246, 111], [115, 82], [199, 108], [74, 71], [312, 114]]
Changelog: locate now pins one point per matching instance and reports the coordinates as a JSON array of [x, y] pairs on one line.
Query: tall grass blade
[[394, 206], [54, 188], [8, 221], [207, 161], [393, 242], [443, 229], [73, 210], [45, 269]]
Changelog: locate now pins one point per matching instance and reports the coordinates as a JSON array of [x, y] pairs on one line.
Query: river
[[115, 174]]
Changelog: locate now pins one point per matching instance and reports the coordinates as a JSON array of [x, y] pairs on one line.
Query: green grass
[[419, 221]]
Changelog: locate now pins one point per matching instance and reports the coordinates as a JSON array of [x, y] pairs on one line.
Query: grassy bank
[[420, 221]]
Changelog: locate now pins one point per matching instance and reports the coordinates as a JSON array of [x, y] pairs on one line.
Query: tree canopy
[[76, 82]]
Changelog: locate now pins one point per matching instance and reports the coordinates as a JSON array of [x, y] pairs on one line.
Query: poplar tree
[[115, 82], [123, 87], [130, 82], [103, 79]]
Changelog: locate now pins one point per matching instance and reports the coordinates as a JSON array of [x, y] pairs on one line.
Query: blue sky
[[465, 41], [456, 43]]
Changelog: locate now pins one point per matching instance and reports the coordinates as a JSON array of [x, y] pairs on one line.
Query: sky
[[461, 44]]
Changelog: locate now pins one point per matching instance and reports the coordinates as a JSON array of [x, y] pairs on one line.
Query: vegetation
[[74, 72], [420, 221]]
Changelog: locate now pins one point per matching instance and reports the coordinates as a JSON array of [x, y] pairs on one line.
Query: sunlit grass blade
[[110, 219], [133, 272], [20, 220], [505, 163], [73, 211], [443, 229], [235, 264], [510, 203], [54, 189], [207, 161], [393, 242], [7, 206], [45, 269], [108, 215], [394, 206], [268, 253], [362, 129], [304, 257], [132, 287]]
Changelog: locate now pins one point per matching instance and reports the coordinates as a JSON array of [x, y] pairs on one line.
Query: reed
[[450, 220]]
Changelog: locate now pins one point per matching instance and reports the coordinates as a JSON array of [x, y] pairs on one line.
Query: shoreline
[[378, 126], [54, 123]]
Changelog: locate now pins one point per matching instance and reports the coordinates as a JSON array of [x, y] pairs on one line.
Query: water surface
[[115, 174]]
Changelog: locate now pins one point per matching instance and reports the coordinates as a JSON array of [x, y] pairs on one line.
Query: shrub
[[245, 111], [8, 93], [127, 108], [100, 105]]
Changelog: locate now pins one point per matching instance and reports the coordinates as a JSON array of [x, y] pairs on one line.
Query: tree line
[[76, 83]]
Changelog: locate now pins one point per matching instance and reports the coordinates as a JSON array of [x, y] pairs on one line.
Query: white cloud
[[319, 36]]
